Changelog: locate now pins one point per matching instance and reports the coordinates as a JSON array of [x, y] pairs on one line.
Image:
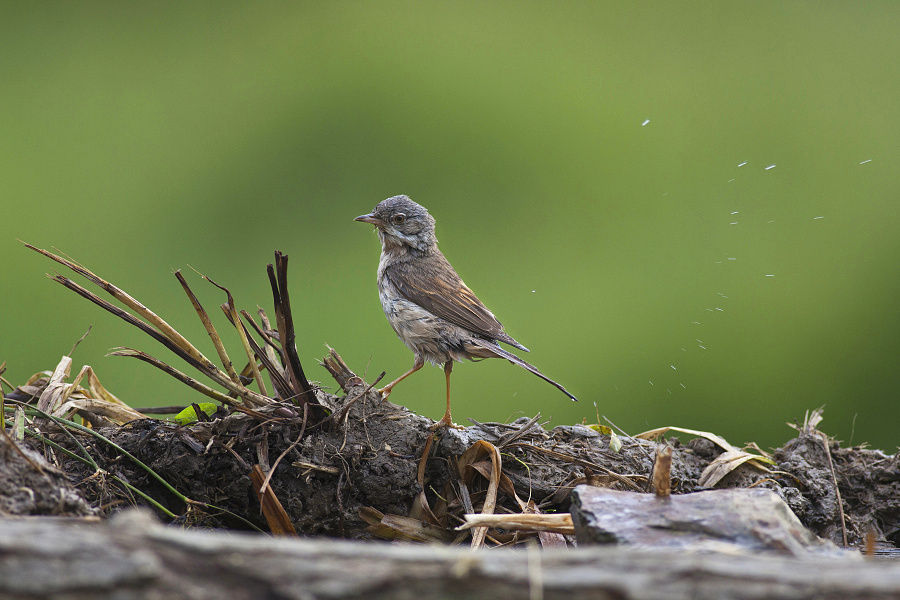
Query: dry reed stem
[[173, 372], [123, 297], [231, 311], [210, 328]]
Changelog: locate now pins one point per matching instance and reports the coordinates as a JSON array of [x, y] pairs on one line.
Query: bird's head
[[401, 222]]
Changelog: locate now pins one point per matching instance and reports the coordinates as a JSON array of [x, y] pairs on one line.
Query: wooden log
[[134, 557]]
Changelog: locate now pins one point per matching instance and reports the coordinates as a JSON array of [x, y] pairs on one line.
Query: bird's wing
[[432, 283]]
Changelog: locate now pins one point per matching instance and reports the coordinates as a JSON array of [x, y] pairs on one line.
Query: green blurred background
[[599, 172]]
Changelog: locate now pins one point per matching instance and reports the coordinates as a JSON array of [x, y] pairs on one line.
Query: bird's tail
[[501, 353]]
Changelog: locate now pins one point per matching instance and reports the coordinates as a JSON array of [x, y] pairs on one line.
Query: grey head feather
[[406, 223]]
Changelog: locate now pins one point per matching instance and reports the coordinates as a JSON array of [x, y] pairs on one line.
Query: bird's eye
[[398, 218]]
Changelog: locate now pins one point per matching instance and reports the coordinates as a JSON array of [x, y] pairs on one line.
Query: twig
[[512, 436], [342, 416], [423, 460], [81, 339], [340, 504], [265, 484], [837, 490], [584, 463]]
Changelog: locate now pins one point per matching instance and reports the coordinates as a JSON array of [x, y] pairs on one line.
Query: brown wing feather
[[436, 287]]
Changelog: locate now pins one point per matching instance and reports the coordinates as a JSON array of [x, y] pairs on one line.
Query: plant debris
[[294, 458]]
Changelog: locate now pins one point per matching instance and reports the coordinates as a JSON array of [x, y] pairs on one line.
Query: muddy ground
[[364, 461]]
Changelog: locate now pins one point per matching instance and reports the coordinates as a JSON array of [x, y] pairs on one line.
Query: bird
[[426, 302]]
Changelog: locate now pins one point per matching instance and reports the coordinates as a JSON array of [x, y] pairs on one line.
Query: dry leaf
[[724, 464], [561, 523], [273, 511], [716, 439]]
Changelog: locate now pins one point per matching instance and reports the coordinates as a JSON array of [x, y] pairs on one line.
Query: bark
[[134, 557]]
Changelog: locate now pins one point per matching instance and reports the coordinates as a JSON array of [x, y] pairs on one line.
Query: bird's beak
[[370, 218]]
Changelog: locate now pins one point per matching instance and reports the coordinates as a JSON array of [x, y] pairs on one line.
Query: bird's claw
[[384, 393], [446, 422]]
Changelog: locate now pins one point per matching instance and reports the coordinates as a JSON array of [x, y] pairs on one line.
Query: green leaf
[[189, 415]]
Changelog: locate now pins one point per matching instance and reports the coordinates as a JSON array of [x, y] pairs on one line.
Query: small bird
[[426, 302]]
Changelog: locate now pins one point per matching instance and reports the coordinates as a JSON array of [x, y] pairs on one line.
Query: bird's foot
[[383, 393], [446, 421]]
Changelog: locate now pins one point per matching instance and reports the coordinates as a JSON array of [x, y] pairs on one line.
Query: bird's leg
[[386, 390], [446, 420]]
